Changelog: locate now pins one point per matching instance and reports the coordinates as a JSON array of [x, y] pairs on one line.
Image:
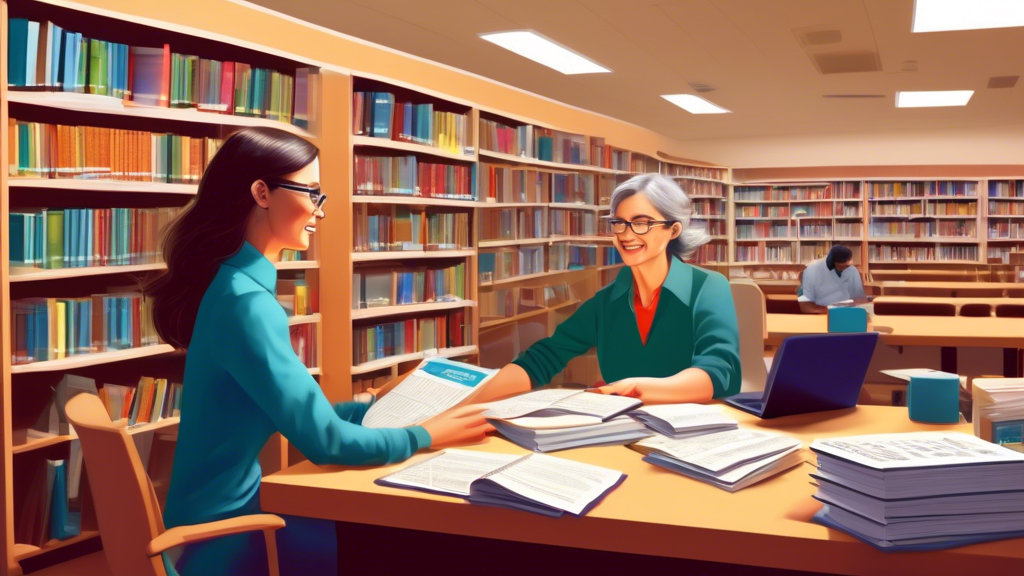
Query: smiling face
[[637, 249], [291, 215]]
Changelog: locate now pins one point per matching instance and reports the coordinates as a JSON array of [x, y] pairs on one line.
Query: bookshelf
[[26, 386]]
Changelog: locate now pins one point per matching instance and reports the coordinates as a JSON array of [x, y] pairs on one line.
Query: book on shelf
[[421, 334], [82, 237], [408, 176], [607, 156], [85, 152], [710, 253], [1006, 188], [573, 222], [43, 56], [391, 228], [505, 184], [920, 490], [294, 295], [563, 256], [497, 137], [54, 419], [610, 256], [45, 510], [643, 164], [894, 252], [536, 483], [693, 171], [303, 338], [1005, 208], [374, 288], [573, 188], [381, 115], [292, 256], [703, 188], [684, 420], [436, 385], [54, 328], [730, 460]]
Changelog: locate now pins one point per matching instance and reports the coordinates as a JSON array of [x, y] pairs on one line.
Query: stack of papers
[[998, 411], [921, 490], [535, 483], [558, 418], [730, 460], [435, 386], [684, 420]]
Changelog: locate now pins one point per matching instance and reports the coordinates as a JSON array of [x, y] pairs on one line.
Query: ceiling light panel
[[933, 99], [946, 15], [694, 104], [543, 51]]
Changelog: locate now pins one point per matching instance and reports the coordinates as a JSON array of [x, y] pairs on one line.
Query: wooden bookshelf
[[21, 193]]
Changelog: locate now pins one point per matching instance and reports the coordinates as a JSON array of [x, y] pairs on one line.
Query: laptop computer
[[812, 373]]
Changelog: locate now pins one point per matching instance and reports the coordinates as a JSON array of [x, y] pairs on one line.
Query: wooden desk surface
[[948, 285], [989, 332], [654, 511]]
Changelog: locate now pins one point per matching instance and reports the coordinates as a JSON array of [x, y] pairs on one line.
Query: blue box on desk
[[934, 398], [843, 319]]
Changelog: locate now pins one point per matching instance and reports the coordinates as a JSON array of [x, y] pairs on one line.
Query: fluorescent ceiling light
[[933, 99], [694, 104], [543, 51], [944, 15]]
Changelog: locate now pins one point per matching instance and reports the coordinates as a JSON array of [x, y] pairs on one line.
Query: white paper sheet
[[437, 385], [915, 449], [526, 403], [721, 451], [557, 482], [452, 471]]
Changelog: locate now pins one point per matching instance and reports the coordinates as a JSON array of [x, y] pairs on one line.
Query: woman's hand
[[626, 387], [462, 425]]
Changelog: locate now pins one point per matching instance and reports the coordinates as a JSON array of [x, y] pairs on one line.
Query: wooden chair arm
[[201, 532]]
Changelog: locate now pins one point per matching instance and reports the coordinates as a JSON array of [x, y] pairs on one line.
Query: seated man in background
[[831, 280]]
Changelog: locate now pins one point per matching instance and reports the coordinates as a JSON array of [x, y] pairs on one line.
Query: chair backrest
[[753, 324], [976, 309], [126, 505], [914, 309], [1010, 310]]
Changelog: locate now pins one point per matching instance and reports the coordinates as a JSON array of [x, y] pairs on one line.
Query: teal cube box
[[934, 398], [843, 319]]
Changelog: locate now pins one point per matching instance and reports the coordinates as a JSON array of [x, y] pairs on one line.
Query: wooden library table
[[958, 301], [996, 289], [654, 512]]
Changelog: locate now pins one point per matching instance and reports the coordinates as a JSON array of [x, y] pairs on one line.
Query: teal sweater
[[242, 384], [694, 327]]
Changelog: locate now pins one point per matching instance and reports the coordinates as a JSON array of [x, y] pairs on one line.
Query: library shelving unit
[[780, 227], [27, 381], [709, 191]]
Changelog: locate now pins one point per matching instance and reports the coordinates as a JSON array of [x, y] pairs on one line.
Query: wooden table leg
[[1011, 363], [948, 360]]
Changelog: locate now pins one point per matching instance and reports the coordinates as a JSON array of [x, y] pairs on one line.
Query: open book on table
[[435, 386], [534, 483]]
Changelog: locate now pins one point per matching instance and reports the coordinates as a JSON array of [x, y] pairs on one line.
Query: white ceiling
[[749, 49]]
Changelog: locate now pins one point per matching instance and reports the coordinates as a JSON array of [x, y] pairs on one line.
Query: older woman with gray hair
[[665, 331]]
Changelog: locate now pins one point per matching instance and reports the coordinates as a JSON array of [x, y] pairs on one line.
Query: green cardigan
[[694, 327]]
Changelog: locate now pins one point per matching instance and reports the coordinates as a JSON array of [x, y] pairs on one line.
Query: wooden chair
[[1010, 310], [914, 309], [130, 521], [976, 309], [751, 314]]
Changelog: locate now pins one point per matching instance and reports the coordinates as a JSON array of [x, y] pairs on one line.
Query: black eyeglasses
[[315, 195], [639, 227]]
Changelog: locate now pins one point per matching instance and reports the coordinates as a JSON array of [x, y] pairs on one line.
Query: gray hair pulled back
[[669, 199]]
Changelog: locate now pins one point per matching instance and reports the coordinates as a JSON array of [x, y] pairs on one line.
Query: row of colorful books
[[57, 151], [610, 256], [407, 176], [1006, 189], [716, 227], [607, 156], [510, 184], [710, 253], [997, 230], [762, 252], [381, 115], [890, 252], [574, 223], [400, 228], [44, 56], [397, 287], [409, 336], [694, 171], [509, 263], [763, 230], [1003, 208], [54, 328], [533, 142], [920, 189], [711, 207], [924, 229], [152, 400], [702, 188], [80, 237], [514, 300], [571, 257], [573, 188], [512, 224]]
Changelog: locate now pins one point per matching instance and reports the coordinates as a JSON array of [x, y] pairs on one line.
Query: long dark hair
[[212, 227]]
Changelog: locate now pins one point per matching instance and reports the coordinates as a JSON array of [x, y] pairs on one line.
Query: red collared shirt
[[645, 316]]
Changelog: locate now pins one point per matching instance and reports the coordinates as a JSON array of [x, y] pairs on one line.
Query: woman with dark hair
[[243, 382], [665, 331]]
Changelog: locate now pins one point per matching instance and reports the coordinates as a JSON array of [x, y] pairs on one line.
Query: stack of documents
[[730, 460], [920, 490], [684, 420], [534, 483], [435, 386], [998, 412], [559, 418]]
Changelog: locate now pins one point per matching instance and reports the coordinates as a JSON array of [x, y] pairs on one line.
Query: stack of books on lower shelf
[[920, 490]]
